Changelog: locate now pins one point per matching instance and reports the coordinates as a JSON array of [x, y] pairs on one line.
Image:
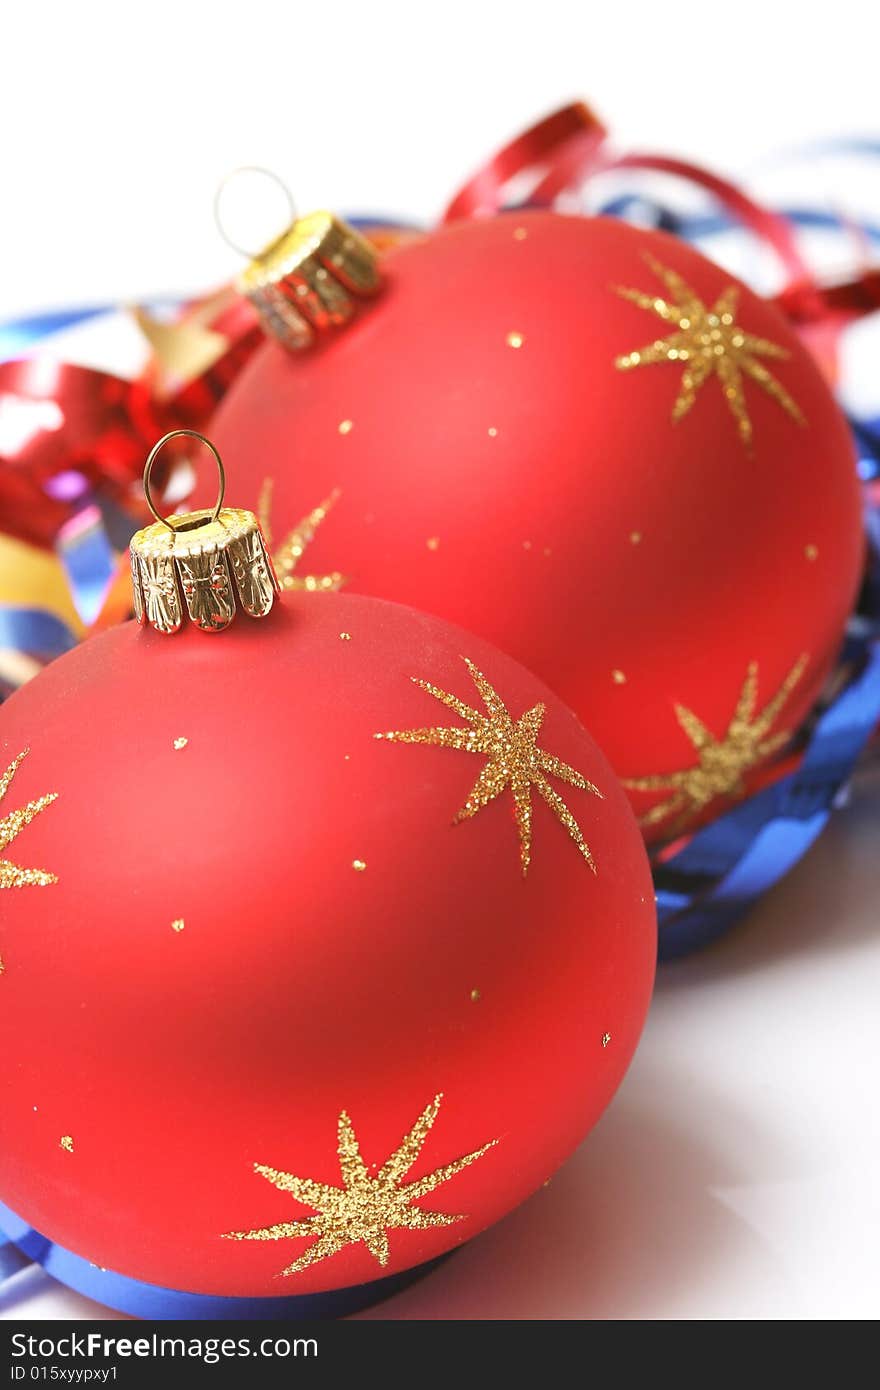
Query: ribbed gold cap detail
[[201, 568], [310, 279]]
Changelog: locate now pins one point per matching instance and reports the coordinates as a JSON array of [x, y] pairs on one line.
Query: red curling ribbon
[[192, 399], [844, 302], [823, 316], [564, 144], [27, 513], [571, 146], [195, 403], [768, 226], [65, 431]]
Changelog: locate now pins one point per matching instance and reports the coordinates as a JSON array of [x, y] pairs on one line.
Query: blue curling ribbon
[[89, 561], [363, 223], [12, 1260], [867, 438], [727, 865], [18, 336], [700, 227], [34, 631], [150, 1301]]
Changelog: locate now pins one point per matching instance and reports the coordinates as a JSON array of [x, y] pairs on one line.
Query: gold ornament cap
[[202, 565], [310, 279]]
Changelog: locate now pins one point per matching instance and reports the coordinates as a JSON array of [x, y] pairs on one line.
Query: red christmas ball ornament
[[325, 940], [592, 446]]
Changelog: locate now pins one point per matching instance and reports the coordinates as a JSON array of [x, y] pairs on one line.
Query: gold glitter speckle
[[359, 865], [515, 340], [433, 542], [635, 537], [519, 233], [475, 996], [178, 924], [180, 743], [707, 342], [345, 636], [811, 552], [346, 426], [722, 763], [364, 1208], [513, 759], [618, 677], [492, 432], [66, 1143], [606, 1038], [11, 826]]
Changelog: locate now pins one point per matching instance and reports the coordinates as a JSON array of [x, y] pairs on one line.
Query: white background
[[735, 1176], [117, 121]]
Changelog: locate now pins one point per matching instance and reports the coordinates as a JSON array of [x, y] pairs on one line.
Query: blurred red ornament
[[290, 1002], [596, 448]]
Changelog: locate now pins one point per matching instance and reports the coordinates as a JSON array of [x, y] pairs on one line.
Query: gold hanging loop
[[311, 280], [248, 252], [202, 565], [154, 454]]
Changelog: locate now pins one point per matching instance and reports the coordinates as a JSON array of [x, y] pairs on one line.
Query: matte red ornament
[[247, 954], [637, 484]]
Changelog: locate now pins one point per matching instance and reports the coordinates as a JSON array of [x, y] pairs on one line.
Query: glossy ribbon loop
[[151, 459]]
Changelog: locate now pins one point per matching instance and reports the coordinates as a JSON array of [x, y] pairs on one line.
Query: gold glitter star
[[11, 876], [365, 1208], [514, 759], [706, 341], [293, 547], [723, 762]]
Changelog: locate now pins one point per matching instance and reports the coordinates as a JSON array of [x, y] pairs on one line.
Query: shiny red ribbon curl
[[570, 146], [564, 144], [108, 424], [100, 432]]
